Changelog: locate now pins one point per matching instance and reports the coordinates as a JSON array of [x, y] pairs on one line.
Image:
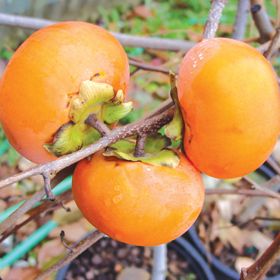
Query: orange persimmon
[[138, 203], [44, 74], [230, 102]]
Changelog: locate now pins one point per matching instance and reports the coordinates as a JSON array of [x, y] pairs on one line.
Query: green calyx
[[93, 98], [156, 151]]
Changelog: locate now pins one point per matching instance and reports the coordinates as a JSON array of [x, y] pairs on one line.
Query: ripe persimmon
[[138, 203], [46, 72], [229, 96]]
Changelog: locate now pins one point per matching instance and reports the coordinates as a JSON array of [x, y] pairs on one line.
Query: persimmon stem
[[140, 145], [94, 122]]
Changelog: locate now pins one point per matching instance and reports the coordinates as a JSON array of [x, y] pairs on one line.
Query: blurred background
[[232, 231]]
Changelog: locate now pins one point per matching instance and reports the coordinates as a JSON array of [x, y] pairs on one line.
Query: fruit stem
[[101, 127], [140, 145]]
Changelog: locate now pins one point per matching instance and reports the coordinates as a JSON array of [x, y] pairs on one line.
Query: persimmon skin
[[43, 74], [229, 97], [137, 203]]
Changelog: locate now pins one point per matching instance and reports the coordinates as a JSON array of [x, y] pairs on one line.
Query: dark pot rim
[[185, 250], [213, 261]]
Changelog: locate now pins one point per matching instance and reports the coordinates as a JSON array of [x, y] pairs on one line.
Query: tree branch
[[261, 20], [44, 208], [274, 44], [259, 268], [76, 250], [245, 192], [214, 17], [148, 67], [263, 189], [241, 19], [127, 40]]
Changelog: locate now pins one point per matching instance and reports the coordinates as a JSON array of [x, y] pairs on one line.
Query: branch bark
[[214, 17], [127, 40], [262, 20], [241, 19], [274, 44], [258, 270], [148, 67]]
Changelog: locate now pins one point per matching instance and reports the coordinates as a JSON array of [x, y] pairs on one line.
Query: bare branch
[[47, 186], [241, 19], [148, 67], [274, 44], [26, 206], [127, 40], [64, 242], [262, 20], [77, 249], [29, 204], [245, 192], [214, 17], [264, 189], [259, 268], [44, 208], [101, 127]]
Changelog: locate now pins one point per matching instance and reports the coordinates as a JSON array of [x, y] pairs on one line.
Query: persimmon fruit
[[46, 72], [229, 96], [138, 203]]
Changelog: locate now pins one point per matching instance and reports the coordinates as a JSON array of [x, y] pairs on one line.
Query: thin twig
[[64, 242], [245, 192], [29, 203], [47, 186], [214, 17], [34, 213], [259, 268], [274, 44], [100, 126], [127, 40], [261, 20], [261, 188], [241, 19], [148, 67], [77, 249]]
